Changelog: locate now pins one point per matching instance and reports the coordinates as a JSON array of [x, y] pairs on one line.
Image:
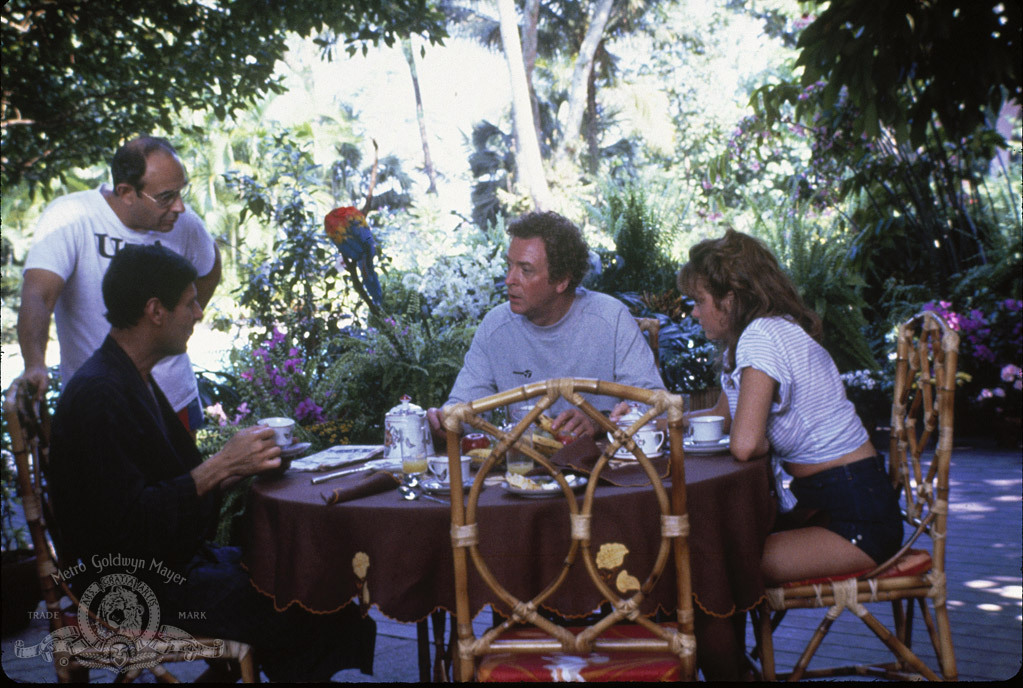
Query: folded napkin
[[360, 485], [582, 455], [337, 456]]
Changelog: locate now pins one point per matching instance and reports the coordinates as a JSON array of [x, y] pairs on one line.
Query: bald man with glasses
[[76, 237]]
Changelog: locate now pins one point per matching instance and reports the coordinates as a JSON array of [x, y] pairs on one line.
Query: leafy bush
[[818, 258], [688, 359], [641, 260], [420, 358]]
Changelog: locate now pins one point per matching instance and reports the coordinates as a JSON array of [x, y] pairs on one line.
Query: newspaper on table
[[336, 457]]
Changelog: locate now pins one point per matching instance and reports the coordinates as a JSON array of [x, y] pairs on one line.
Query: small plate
[[549, 487], [294, 449], [716, 447], [434, 486]]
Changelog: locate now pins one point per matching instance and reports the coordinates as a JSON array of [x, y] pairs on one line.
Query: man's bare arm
[[39, 294], [207, 284]]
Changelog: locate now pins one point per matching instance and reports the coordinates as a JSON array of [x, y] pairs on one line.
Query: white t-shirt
[[76, 237], [813, 421]]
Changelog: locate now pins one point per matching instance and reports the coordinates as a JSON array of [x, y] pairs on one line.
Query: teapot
[[407, 436]]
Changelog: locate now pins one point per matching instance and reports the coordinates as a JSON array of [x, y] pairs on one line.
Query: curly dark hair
[[567, 253], [129, 163], [742, 265]]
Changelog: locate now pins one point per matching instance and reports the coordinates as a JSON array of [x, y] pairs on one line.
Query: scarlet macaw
[[348, 229]]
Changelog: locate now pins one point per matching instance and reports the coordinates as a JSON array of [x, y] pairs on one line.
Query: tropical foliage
[[79, 76], [679, 136]]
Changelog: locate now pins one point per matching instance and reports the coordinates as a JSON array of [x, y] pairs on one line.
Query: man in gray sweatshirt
[[551, 327]]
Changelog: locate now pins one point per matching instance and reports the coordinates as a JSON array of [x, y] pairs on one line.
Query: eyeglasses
[[167, 198]]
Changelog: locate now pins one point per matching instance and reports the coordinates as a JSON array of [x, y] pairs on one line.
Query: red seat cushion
[[597, 666], [912, 563]]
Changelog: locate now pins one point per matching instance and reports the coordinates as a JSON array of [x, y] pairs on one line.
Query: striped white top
[[813, 422]]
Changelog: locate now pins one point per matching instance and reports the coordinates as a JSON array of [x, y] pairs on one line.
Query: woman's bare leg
[[810, 553]]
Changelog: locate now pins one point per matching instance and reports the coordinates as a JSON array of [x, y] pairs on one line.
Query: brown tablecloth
[[397, 553]]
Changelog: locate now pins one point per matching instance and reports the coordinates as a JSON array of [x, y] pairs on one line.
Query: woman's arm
[[749, 427]]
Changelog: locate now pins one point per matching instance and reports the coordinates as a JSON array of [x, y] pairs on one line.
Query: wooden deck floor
[[985, 553]]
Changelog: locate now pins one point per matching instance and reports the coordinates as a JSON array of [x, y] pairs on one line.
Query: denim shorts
[[860, 502]]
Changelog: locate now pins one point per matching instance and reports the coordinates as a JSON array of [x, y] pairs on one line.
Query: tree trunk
[[580, 77], [406, 46], [530, 16], [592, 144], [528, 159]]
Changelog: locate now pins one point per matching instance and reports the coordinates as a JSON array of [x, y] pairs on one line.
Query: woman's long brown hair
[[743, 266]]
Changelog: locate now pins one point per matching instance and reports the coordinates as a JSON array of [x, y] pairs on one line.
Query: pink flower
[[216, 411], [1011, 372]]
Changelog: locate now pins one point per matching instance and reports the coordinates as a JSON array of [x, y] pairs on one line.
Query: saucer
[[547, 486], [294, 449], [714, 447], [434, 486]]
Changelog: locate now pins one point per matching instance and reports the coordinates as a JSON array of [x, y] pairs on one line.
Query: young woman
[[781, 393]]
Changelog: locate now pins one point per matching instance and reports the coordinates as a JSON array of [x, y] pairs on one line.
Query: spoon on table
[[410, 494]]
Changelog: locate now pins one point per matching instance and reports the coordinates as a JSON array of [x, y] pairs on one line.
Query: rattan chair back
[[921, 452], [28, 423], [674, 543], [651, 329]]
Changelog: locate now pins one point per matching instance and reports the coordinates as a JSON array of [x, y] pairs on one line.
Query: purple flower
[[243, 411], [984, 353], [309, 410]]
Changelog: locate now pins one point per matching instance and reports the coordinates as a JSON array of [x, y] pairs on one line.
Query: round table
[[397, 553]]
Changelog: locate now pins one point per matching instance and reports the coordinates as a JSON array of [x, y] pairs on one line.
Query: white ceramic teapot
[[407, 436]]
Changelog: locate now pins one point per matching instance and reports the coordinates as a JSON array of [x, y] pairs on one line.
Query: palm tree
[[406, 48], [529, 160]]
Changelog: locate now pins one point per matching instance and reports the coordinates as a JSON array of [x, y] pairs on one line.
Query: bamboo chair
[[651, 329], [70, 647], [668, 650], [922, 408]]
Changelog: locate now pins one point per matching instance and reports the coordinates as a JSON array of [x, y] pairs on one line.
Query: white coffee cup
[[439, 467], [284, 429], [707, 428]]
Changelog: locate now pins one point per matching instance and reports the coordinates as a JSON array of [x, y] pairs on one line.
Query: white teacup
[[647, 437], [284, 429], [439, 467], [707, 429]]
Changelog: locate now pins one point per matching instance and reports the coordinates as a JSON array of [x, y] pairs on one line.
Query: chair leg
[[440, 665], [247, 667], [946, 655], [898, 648], [423, 649], [811, 648], [765, 642]]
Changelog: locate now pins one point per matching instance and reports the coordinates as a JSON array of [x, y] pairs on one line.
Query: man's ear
[[154, 311], [562, 286], [125, 192]]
